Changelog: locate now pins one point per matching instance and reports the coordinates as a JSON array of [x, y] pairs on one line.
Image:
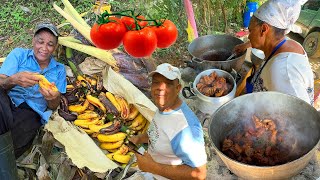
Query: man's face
[[164, 92], [44, 44], [255, 35]]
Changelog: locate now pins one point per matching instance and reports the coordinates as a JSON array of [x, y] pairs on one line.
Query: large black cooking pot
[[299, 120], [211, 51]]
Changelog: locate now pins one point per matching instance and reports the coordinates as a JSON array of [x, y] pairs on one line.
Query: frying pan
[[212, 51]]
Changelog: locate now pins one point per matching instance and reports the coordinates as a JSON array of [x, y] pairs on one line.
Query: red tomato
[[108, 36], [129, 22], [140, 43], [167, 34]]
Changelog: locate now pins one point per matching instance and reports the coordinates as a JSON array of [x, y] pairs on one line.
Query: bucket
[[251, 7], [8, 168], [206, 104]]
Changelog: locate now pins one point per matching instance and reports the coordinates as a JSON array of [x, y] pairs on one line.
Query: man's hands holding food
[[46, 88], [23, 79]]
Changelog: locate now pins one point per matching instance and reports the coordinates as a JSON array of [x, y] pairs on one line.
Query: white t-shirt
[[289, 73], [176, 138]]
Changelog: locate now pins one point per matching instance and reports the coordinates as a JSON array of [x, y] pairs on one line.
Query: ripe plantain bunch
[[104, 116], [121, 155]]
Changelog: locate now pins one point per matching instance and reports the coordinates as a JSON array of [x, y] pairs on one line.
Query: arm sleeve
[[11, 63], [189, 147], [62, 81], [293, 78]]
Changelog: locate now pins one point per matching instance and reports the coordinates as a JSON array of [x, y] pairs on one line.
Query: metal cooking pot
[[210, 104], [211, 51], [301, 123]]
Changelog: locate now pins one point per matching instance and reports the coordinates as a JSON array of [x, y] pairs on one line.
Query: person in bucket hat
[[173, 130], [24, 106]]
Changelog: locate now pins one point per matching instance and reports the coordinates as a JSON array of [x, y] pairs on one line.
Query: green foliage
[[258, 1], [212, 17], [20, 17]]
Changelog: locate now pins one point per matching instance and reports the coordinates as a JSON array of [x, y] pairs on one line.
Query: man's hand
[[24, 79], [240, 48], [145, 162], [49, 94], [52, 97], [139, 139]]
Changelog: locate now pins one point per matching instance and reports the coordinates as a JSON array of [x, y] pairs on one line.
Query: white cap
[[281, 14], [168, 71]]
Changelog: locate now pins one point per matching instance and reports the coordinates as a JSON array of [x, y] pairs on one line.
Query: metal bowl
[[302, 122], [257, 56], [211, 51]]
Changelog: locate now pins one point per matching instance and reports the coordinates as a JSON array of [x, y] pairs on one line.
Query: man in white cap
[[286, 68], [24, 106], [175, 140]]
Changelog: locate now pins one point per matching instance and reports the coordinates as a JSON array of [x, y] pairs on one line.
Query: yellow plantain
[[85, 123], [96, 102], [91, 80], [123, 149], [112, 137], [80, 78], [110, 156], [96, 128], [113, 100], [111, 145], [144, 122], [70, 87], [88, 131], [79, 108], [113, 150], [88, 115], [145, 128], [45, 84], [125, 110], [133, 112], [122, 158], [137, 121]]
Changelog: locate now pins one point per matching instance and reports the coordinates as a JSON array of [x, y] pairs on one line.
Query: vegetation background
[[19, 17]]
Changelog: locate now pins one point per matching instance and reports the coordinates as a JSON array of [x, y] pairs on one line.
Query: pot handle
[[197, 60], [187, 92]]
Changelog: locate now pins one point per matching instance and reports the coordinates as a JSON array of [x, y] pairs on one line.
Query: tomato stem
[[104, 18]]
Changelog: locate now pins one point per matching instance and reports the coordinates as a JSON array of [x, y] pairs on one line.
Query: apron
[[251, 80]]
